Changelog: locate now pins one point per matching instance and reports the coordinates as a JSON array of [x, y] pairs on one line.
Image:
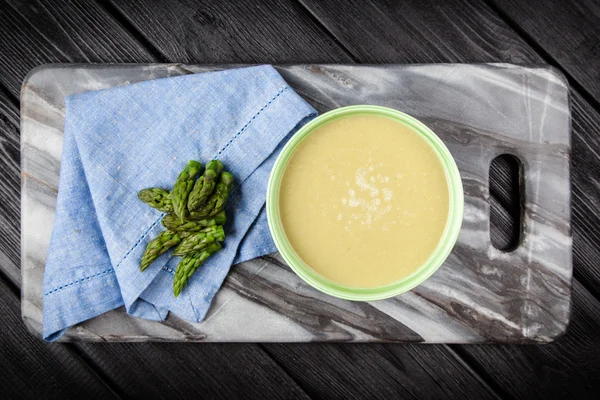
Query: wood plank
[[10, 219], [32, 369], [567, 369], [39, 32], [585, 188], [185, 370], [505, 207], [567, 30], [378, 371], [81, 30], [501, 224], [21, 50], [420, 32], [271, 31]]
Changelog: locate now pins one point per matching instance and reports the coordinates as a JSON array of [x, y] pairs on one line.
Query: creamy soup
[[364, 201]]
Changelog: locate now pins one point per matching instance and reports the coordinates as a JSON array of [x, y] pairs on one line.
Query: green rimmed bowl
[[435, 260]]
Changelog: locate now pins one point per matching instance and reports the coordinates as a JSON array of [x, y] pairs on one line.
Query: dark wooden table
[[564, 34]]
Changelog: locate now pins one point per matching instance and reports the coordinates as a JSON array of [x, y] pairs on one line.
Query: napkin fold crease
[[118, 141]]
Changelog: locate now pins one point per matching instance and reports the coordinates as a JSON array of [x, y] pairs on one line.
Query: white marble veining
[[480, 294]]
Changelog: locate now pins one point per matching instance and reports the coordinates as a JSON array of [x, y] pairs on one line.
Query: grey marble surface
[[480, 294]]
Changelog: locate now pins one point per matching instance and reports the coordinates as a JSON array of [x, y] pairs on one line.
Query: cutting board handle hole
[[506, 206]]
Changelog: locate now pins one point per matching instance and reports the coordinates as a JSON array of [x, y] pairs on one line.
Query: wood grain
[[378, 371], [81, 30], [21, 50], [187, 370], [585, 191], [10, 211], [424, 31], [566, 369], [40, 32], [270, 31], [505, 207], [503, 222], [567, 30], [32, 369]]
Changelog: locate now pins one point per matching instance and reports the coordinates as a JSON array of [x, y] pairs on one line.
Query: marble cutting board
[[480, 294]]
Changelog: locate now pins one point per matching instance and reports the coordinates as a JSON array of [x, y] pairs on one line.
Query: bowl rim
[[429, 267]]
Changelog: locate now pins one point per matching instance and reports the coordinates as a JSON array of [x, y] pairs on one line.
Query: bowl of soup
[[365, 202]]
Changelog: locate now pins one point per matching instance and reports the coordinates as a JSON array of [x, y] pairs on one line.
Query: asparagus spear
[[205, 185], [172, 223], [189, 264], [198, 241], [159, 245], [183, 187], [227, 182], [216, 202], [157, 198]]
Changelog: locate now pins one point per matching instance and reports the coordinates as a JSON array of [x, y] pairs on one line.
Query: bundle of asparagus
[[194, 220]]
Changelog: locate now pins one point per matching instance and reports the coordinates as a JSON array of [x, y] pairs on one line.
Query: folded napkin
[[121, 140]]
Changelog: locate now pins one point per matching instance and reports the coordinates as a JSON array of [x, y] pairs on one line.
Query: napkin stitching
[[158, 220], [77, 281], [168, 270], [252, 119], [140, 240], [111, 268]]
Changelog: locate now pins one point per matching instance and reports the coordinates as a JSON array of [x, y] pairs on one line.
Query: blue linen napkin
[[121, 140]]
